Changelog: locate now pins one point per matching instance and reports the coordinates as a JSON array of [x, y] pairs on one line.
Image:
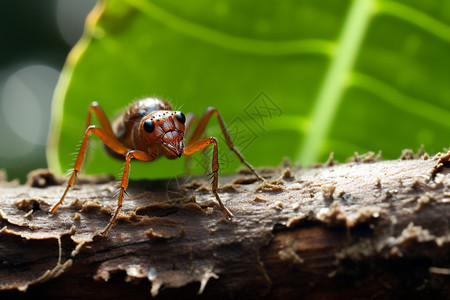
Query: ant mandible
[[147, 129]]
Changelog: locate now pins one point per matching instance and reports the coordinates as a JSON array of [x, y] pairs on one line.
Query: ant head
[[167, 128]]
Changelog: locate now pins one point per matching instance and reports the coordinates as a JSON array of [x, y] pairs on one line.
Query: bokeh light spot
[[25, 106]]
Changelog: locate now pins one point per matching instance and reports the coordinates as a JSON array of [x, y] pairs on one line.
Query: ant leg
[[101, 116], [195, 147], [95, 107], [201, 128], [191, 119], [108, 139], [139, 155]]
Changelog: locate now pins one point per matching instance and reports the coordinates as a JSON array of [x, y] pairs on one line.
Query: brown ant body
[[147, 129]]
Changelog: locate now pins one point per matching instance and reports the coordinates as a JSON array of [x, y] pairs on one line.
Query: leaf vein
[[330, 94], [397, 99], [236, 43], [415, 17]]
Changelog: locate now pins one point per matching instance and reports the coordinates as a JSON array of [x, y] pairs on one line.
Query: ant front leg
[[192, 148], [105, 134], [101, 116], [109, 140], [201, 128], [191, 119], [139, 155]]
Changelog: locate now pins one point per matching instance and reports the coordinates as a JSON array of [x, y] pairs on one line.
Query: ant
[[147, 129]]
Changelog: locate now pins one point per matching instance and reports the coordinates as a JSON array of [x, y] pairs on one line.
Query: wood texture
[[367, 228]]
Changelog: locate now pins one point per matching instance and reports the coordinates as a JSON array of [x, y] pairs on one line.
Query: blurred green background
[[35, 38], [297, 79]]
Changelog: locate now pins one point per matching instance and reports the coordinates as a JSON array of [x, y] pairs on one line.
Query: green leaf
[[296, 79]]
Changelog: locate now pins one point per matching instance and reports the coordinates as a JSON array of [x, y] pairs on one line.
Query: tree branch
[[351, 230]]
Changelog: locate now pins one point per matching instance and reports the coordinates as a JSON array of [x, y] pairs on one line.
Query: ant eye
[[180, 116], [149, 126]]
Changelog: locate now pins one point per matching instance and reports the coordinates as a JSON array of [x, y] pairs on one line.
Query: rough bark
[[367, 228]]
